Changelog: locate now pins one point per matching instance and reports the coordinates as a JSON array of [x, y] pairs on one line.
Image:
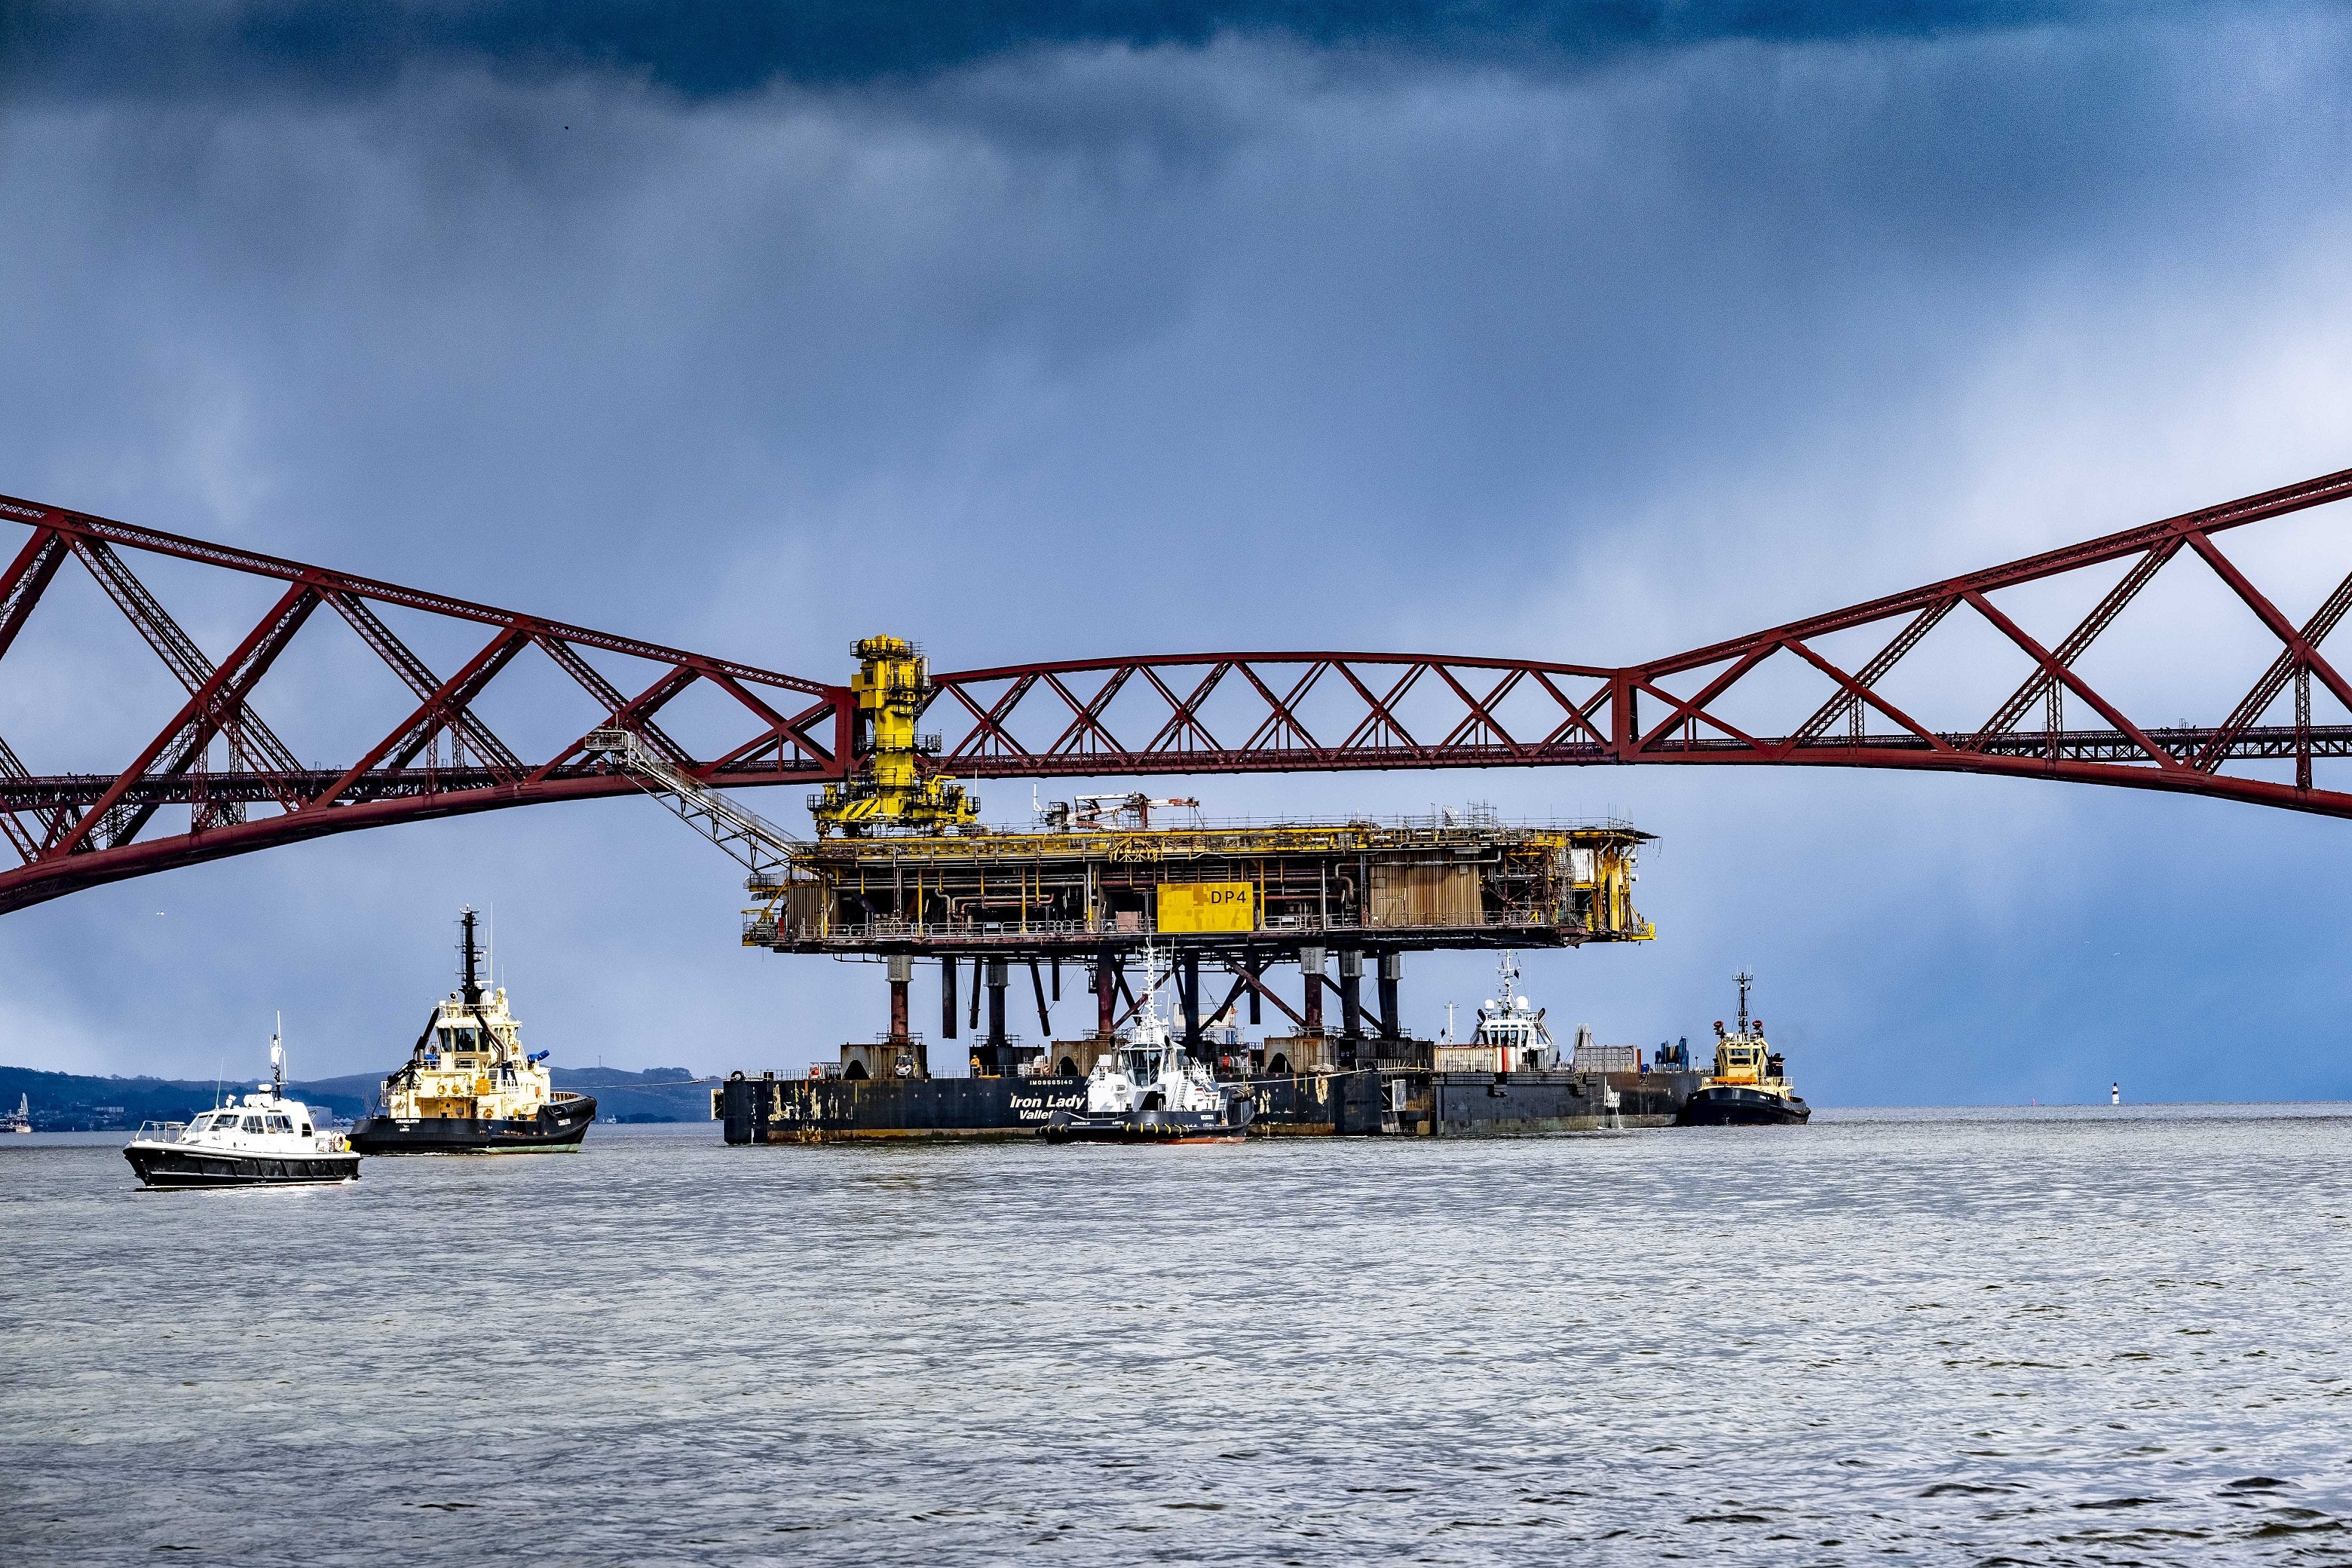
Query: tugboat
[[467, 1086], [268, 1141], [1750, 1086], [1150, 1092]]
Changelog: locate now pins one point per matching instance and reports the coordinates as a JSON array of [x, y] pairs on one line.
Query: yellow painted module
[[892, 791], [1400, 884], [1207, 906]]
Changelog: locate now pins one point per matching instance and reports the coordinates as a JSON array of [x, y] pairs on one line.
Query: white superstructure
[[1510, 1036], [469, 1064], [1152, 1070], [262, 1139]]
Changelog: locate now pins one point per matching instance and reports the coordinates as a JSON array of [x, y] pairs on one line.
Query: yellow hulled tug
[[469, 1087], [1750, 1086]]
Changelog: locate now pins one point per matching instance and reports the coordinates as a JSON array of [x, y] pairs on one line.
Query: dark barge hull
[[1726, 1105], [557, 1130], [179, 1167], [1530, 1104], [1366, 1101], [834, 1109]]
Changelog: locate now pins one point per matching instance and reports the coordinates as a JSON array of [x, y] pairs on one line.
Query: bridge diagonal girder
[[1183, 719], [464, 727], [244, 670], [437, 711], [2059, 673], [1857, 692], [2305, 654], [795, 731], [29, 576], [1084, 732], [2265, 690], [2072, 647], [53, 822], [201, 703], [252, 741], [1882, 664], [1282, 715]]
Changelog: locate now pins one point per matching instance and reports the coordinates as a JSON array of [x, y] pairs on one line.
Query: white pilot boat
[[1151, 1090], [264, 1141]]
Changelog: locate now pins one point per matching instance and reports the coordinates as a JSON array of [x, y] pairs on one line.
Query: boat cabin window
[[305, 1129], [253, 1125], [281, 1124]]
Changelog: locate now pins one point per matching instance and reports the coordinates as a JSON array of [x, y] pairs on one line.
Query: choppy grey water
[[2036, 1337]]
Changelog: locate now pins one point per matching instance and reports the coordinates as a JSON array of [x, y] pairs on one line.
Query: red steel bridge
[[217, 771]]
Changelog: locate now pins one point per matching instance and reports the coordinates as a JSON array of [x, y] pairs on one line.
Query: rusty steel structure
[[243, 788]]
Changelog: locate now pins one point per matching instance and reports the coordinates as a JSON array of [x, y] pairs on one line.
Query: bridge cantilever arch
[[218, 773]]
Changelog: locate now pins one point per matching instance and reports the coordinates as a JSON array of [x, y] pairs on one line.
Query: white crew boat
[[265, 1140], [1150, 1090]]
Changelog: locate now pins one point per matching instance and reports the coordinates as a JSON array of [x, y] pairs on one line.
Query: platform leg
[[1191, 983], [996, 1004], [902, 976], [1351, 993], [1105, 995]]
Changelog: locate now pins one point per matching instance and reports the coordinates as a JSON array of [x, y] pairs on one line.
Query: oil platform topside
[[901, 870]]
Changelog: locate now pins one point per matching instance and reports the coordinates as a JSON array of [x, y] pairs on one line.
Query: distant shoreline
[[85, 1102]]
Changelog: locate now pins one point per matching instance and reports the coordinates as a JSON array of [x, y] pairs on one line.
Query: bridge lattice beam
[[1181, 713]]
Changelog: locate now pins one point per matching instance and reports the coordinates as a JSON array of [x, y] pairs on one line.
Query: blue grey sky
[[1587, 332]]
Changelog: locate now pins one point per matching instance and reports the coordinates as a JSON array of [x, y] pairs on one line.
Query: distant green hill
[[74, 1102]]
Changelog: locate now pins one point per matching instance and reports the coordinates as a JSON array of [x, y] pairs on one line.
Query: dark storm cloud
[[703, 51]]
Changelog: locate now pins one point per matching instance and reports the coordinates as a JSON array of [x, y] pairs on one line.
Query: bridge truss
[[242, 788]]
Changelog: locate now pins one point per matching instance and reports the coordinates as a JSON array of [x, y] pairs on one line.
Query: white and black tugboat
[[268, 1141], [1152, 1091], [1750, 1086], [469, 1087]]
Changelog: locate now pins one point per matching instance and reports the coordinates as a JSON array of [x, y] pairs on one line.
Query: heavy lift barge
[[902, 872]]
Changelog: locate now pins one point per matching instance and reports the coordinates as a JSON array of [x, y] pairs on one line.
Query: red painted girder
[[56, 876], [2031, 568], [1166, 660], [89, 526]]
